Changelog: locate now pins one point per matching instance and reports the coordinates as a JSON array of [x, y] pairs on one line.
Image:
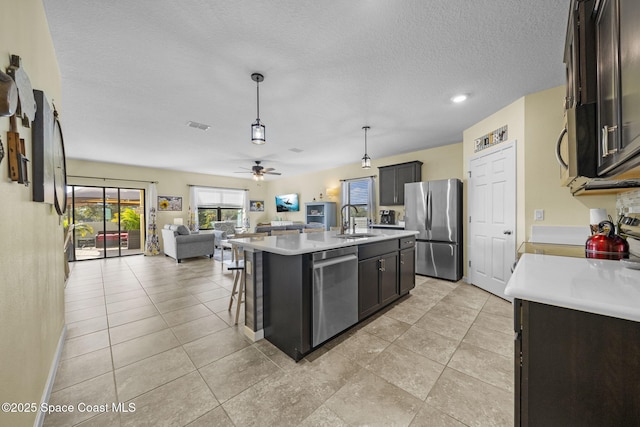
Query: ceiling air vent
[[197, 125], [296, 150]]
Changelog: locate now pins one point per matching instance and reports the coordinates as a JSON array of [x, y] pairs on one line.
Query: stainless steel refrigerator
[[434, 209]]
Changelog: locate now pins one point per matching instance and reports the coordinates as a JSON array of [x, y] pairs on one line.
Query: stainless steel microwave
[[578, 157]]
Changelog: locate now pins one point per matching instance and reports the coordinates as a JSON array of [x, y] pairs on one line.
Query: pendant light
[[257, 128], [366, 160]]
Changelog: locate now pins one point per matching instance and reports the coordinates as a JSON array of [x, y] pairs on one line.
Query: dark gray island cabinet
[[316, 286], [386, 270]]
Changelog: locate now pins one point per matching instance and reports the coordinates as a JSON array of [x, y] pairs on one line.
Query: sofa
[[294, 226], [179, 243]]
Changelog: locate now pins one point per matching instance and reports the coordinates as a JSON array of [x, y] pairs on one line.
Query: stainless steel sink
[[355, 235]]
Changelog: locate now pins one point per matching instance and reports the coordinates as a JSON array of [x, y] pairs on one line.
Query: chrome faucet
[[344, 226]]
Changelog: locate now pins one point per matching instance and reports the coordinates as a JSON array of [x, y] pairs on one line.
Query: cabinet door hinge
[[469, 263], [469, 219]]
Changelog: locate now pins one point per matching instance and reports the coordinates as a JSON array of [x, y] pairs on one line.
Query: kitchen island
[[577, 341], [304, 289]]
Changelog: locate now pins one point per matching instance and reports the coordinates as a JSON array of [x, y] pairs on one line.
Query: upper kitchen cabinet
[[580, 55], [618, 78], [576, 148], [392, 181]]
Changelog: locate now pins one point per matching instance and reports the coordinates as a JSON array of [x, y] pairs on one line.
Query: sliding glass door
[[108, 222]]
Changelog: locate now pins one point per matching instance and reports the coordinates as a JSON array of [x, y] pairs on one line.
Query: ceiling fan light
[[258, 133]]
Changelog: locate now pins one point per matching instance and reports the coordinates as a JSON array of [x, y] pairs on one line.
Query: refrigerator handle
[[429, 210]]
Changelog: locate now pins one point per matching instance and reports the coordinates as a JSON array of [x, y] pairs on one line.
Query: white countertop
[[303, 243], [596, 286]]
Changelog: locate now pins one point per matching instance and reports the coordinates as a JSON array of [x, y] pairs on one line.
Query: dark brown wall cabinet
[[580, 55], [617, 38], [392, 181], [576, 148], [574, 368]]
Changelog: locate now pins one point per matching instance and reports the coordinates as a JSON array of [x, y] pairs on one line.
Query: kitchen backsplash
[[628, 202]]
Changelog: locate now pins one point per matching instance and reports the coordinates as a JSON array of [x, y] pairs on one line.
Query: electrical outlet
[[538, 215]]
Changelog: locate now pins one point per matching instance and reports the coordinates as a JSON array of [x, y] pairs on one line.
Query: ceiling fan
[[260, 171]]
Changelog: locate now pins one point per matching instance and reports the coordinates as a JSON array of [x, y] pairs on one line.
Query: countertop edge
[[267, 244], [528, 288]]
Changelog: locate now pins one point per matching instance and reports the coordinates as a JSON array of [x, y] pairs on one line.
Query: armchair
[[222, 230], [179, 243]]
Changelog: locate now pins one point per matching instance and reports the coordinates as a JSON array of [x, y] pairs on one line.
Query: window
[[360, 193], [207, 215], [219, 204], [108, 221]]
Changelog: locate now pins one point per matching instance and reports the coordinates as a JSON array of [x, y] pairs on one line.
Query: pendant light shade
[[257, 128], [366, 160]]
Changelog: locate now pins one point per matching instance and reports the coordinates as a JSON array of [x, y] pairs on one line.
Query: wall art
[[256, 206], [169, 203]]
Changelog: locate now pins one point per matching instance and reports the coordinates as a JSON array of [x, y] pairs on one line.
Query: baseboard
[[46, 394], [253, 335]]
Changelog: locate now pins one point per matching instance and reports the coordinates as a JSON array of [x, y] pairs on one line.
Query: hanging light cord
[[258, 100], [365, 140]]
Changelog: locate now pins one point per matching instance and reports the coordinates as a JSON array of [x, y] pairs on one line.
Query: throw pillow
[[183, 230]]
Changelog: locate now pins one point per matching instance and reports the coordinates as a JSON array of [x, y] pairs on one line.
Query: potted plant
[[130, 222]]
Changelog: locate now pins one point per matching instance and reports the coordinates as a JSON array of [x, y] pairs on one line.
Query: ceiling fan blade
[[244, 172], [273, 173], [268, 169]]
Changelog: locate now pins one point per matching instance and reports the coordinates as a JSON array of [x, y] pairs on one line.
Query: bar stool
[[237, 266]]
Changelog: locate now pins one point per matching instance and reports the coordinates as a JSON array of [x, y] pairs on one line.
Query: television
[[287, 203]]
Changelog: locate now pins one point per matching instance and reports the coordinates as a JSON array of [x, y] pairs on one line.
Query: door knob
[[507, 232]]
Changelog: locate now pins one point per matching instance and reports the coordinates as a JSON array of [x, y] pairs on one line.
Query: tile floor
[[148, 331]]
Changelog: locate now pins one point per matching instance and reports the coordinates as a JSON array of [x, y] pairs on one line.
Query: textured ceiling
[[135, 72]]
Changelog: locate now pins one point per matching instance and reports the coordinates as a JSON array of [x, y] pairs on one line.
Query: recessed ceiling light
[[459, 98]]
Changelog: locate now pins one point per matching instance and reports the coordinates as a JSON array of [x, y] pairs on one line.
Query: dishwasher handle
[[333, 261]]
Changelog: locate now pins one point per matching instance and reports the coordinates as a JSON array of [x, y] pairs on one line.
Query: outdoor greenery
[[208, 215], [81, 228], [130, 219]]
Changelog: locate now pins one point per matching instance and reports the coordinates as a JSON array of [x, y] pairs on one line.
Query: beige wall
[[439, 163], [169, 183], [535, 121], [31, 256], [543, 122]]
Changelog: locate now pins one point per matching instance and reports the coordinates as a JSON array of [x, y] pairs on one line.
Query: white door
[[492, 218]]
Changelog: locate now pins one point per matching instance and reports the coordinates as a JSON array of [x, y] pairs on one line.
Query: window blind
[[220, 197]]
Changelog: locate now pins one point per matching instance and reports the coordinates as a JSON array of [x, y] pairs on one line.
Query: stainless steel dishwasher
[[335, 292]]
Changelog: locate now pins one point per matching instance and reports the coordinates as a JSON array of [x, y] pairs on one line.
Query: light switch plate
[[538, 215]]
